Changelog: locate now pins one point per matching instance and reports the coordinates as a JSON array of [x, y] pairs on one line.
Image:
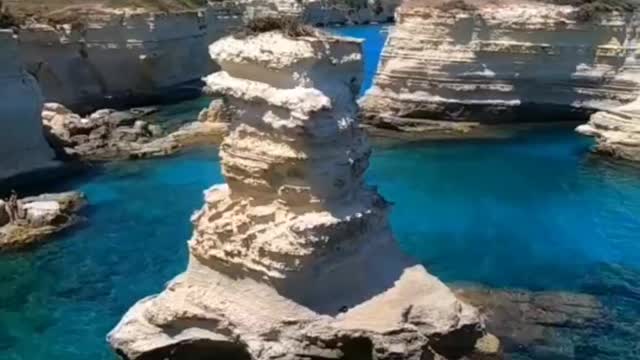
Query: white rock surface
[[617, 131], [23, 148], [293, 258], [504, 61]]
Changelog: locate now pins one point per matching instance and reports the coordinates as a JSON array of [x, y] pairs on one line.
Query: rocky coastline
[[501, 62], [616, 131], [73, 52], [108, 134], [270, 247], [26, 221]]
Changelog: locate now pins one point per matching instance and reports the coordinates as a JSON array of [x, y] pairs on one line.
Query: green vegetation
[[7, 19], [592, 9]]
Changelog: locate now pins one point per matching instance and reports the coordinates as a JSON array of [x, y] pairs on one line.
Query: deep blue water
[[535, 211], [374, 36]]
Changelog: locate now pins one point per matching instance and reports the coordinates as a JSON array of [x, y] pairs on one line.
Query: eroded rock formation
[[110, 135], [23, 148], [293, 258], [502, 61], [617, 131], [30, 219]]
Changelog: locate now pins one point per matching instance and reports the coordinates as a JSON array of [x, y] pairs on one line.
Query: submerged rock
[[32, 219], [542, 324], [501, 61], [294, 257]]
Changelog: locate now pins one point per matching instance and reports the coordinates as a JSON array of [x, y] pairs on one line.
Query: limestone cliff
[[617, 131], [116, 57], [293, 258], [503, 61], [23, 148]]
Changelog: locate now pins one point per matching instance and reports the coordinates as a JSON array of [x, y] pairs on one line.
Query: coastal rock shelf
[[502, 61], [23, 148], [112, 135], [293, 258], [617, 131], [30, 219]]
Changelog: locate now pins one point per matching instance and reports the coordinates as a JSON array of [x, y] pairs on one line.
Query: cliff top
[[585, 9], [55, 8]]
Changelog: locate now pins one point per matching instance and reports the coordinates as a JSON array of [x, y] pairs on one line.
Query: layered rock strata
[[102, 57], [617, 131], [32, 219], [502, 61], [23, 148], [293, 258]]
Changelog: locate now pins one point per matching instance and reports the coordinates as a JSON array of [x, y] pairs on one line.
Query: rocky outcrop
[[617, 131], [322, 13], [105, 134], [32, 219], [502, 61], [111, 135], [23, 148], [293, 258], [103, 58]]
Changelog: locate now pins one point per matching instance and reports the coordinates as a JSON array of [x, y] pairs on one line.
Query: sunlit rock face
[[23, 148], [293, 258], [117, 58], [616, 131], [503, 61]]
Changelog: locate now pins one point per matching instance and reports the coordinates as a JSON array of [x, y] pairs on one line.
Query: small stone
[[155, 130], [488, 345]]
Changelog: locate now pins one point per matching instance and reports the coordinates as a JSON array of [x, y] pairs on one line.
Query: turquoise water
[[536, 211]]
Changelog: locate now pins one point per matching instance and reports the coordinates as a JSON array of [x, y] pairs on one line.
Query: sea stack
[[503, 61], [294, 258]]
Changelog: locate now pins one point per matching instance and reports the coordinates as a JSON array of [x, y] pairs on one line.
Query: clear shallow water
[[535, 212]]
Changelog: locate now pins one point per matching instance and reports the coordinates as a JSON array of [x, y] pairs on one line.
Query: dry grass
[[290, 26], [42, 8]]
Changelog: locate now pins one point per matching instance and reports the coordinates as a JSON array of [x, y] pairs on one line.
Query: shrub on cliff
[[456, 5], [7, 19], [591, 9], [290, 26]]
